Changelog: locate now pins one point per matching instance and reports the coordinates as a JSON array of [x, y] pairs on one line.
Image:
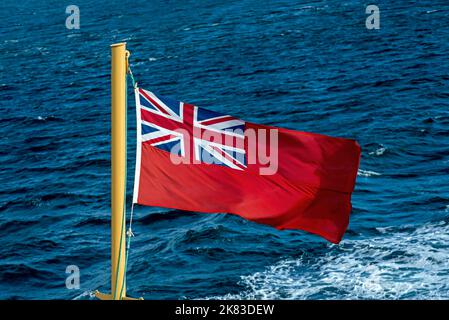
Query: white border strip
[[138, 146]]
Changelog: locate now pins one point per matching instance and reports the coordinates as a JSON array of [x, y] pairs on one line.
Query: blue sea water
[[306, 65]]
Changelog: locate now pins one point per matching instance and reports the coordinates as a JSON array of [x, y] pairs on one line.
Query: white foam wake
[[397, 265]]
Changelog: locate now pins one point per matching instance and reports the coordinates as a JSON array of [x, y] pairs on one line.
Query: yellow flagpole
[[118, 174]]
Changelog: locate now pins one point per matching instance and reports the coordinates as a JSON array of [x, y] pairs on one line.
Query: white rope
[[130, 233]]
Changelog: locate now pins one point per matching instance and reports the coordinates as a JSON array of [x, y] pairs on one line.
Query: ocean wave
[[92, 221], [85, 295], [164, 216], [402, 265], [367, 173], [14, 225], [29, 120], [205, 234], [17, 273], [378, 152]]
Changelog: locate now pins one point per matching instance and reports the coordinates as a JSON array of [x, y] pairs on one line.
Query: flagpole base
[[105, 296]]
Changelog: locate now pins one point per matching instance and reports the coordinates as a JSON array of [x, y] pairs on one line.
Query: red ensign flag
[[194, 159]]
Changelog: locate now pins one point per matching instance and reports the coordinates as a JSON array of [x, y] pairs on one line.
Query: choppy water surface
[[310, 66]]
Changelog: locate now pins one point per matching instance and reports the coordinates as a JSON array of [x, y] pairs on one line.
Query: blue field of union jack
[[196, 134]]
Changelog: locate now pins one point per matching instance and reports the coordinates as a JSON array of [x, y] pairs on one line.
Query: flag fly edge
[[138, 147]]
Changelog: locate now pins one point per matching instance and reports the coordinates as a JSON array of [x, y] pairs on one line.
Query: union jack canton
[[196, 134]]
